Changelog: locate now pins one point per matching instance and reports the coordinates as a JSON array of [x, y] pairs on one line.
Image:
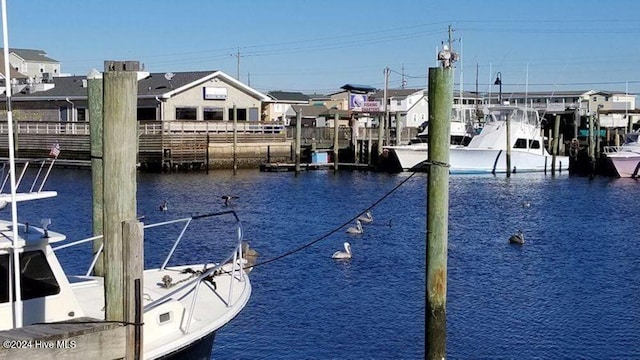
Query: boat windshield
[[632, 138], [527, 116]]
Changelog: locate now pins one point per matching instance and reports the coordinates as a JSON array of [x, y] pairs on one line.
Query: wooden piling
[[336, 144], [369, 143], [441, 101], [554, 146], [235, 138], [508, 162], [591, 147], [133, 235], [298, 137], [94, 97], [119, 139]]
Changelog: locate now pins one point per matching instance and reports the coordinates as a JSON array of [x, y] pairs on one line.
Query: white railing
[[235, 260], [148, 127]]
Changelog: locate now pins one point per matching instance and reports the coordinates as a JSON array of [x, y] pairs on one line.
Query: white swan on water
[[346, 254], [367, 218], [357, 229]]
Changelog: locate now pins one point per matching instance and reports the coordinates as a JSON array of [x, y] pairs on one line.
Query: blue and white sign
[[356, 101]]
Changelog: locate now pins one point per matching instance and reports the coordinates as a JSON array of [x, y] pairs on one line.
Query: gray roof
[[32, 55], [288, 96], [357, 88], [155, 84], [393, 93]]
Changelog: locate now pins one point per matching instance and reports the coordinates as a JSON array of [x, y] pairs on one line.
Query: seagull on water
[[346, 254], [163, 206]]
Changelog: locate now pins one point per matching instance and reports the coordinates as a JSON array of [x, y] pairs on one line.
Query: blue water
[[572, 291]]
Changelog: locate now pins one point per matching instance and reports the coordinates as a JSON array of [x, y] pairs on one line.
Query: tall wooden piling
[[298, 139], [369, 142], [554, 147], [94, 96], [508, 147], [592, 158], [336, 143], [235, 139], [119, 139], [440, 103]]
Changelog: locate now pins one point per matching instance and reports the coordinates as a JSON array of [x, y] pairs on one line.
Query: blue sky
[[318, 46]]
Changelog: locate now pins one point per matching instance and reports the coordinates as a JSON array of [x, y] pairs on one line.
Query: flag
[[55, 150]]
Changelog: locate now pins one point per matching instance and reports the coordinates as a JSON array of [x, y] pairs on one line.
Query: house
[[35, 64], [280, 107], [195, 95]]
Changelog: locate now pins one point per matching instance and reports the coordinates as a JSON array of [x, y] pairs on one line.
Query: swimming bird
[[356, 230], [367, 218], [346, 254], [228, 198], [517, 238], [163, 206], [526, 204]]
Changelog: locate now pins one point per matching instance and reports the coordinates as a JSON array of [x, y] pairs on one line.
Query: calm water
[[571, 291]]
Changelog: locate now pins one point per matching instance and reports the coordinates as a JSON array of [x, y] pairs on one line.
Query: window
[[36, 278], [64, 113], [146, 113], [82, 114], [242, 114], [186, 113], [213, 113]]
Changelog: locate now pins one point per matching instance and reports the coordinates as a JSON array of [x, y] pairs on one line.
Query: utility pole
[[237, 55], [385, 111]]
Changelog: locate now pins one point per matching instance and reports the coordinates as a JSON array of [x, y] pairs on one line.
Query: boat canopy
[[514, 114]]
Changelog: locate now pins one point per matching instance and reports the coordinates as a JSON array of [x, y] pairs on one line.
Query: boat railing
[[611, 149], [235, 260], [39, 179]]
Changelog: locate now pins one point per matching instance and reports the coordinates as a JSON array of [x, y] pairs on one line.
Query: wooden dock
[[82, 338], [284, 167]]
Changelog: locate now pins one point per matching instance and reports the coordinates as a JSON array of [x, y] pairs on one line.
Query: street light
[[499, 82]]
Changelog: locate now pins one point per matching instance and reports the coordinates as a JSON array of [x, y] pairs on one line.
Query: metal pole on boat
[[14, 272], [94, 97], [298, 136], [336, 143], [440, 103]]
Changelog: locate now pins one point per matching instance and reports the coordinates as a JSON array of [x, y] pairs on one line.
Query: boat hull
[[627, 164], [466, 160], [197, 350], [408, 156]]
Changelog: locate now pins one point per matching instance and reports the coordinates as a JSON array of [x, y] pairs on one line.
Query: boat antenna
[[15, 278]]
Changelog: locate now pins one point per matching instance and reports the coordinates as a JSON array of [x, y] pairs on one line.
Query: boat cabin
[[46, 295]]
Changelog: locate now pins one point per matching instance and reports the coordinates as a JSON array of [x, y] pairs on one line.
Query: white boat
[[413, 154], [487, 151], [626, 158], [183, 305]]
